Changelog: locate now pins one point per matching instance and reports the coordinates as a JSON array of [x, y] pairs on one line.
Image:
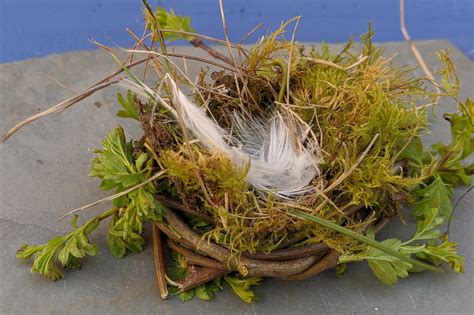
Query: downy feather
[[276, 166]]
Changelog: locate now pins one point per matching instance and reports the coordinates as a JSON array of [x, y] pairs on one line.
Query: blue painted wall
[[33, 28]]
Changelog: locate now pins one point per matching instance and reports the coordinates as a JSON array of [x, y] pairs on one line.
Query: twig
[[205, 37], [198, 276], [183, 234], [328, 261], [110, 198], [177, 206], [103, 83], [291, 253], [290, 53], [179, 55], [226, 34], [198, 43], [160, 263], [416, 52], [195, 259], [456, 205]]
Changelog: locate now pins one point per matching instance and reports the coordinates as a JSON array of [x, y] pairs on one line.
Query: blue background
[[33, 28]]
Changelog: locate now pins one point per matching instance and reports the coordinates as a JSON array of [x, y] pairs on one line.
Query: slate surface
[[43, 172]]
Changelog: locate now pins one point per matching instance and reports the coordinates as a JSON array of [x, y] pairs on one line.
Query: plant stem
[[362, 238], [160, 34], [112, 197], [284, 73], [197, 42], [107, 214]]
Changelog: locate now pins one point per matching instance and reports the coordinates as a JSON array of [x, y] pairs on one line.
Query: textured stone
[[43, 173]]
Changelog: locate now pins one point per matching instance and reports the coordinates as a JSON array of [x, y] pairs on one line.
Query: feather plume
[[276, 165]]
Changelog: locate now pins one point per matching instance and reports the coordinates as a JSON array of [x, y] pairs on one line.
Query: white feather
[[276, 165]]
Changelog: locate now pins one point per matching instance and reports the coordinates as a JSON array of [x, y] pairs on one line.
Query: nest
[[282, 163], [360, 183]]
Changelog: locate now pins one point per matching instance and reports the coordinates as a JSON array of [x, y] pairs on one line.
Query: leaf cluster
[[66, 251], [444, 170], [169, 20], [119, 169], [129, 105], [178, 269]]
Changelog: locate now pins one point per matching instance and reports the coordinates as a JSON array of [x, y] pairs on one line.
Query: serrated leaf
[[115, 245], [203, 293], [385, 267], [427, 228], [187, 295], [444, 252], [413, 152], [241, 287], [436, 195], [169, 20], [124, 233], [130, 109], [68, 249]]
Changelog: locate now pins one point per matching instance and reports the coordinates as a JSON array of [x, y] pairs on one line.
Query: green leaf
[[119, 170], [129, 105], [169, 20], [141, 161], [437, 196], [427, 228], [203, 293], [391, 250], [177, 268], [114, 164], [444, 252], [187, 295], [385, 267], [68, 249], [241, 286], [74, 219], [115, 243], [124, 233], [413, 152]]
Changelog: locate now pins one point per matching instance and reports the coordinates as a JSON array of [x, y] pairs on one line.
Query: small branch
[[110, 198], [197, 42], [198, 276], [328, 261], [160, 262], [290, 253], [196, 259], [183, 234], [416, 52], [103, 83], [177, 206]]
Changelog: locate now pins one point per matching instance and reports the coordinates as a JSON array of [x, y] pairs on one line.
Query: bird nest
[[283, 161]]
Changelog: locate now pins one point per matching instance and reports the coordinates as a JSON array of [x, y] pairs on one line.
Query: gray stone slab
[[43, 172]]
